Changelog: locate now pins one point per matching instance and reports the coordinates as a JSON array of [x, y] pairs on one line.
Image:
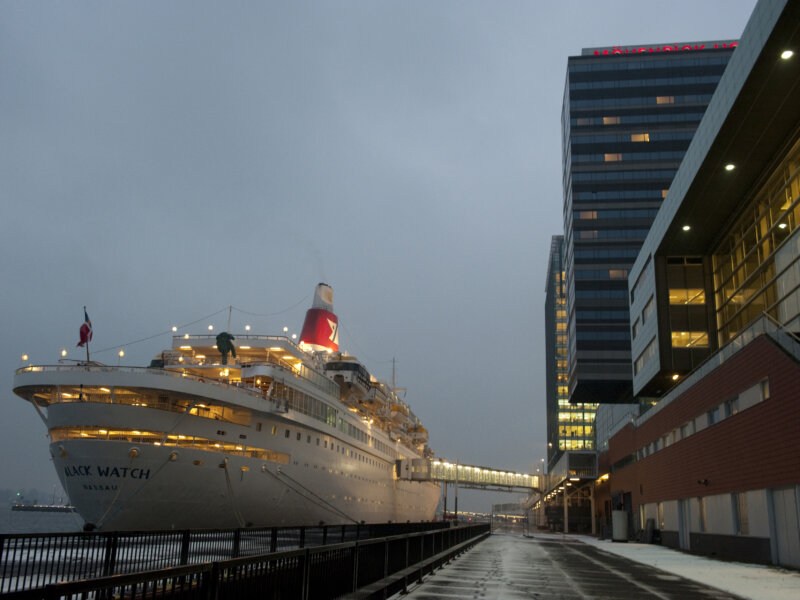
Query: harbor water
[[13, 521]]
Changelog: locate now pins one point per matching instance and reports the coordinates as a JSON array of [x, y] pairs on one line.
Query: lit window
[[689, 339], [640, 137], [617, 274], [610, 120], [687, 296], [665, 99], [587, 214], [613, 157], [584, 122], [664, 193]]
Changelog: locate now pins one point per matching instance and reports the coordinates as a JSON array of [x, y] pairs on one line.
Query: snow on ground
[[758, 582]]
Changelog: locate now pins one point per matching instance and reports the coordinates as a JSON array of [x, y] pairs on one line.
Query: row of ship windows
[[343, 450], [749, 397], [161, 438], [640, 101], [686, 117]]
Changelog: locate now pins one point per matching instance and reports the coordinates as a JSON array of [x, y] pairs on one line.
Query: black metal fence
[[358, 569], [30, 561]]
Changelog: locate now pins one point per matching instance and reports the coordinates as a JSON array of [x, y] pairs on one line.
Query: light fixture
[[174, 329], [686, 227], [211, 328], [186, 336], [782, 226], [285, 329], [787, 54], [675, 377], [247, 327], [294, 336], [63, 352], [730, 167], [121, 353], [24, 357]]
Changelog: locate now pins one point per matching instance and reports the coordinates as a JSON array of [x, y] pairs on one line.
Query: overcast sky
[[161, 161]]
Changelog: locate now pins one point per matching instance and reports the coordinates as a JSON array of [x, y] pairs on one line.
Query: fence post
[[212, 586], [405, 577], [237, 538], [306, 574], [110, 562], [324, 535], [185, 539], [355, 567], [273, 540], [303, 536]]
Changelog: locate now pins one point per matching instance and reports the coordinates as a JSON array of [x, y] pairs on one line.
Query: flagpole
[[87, 341]]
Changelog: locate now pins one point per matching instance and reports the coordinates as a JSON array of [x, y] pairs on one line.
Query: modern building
[[714, 319], [629, 114], [569, 426]]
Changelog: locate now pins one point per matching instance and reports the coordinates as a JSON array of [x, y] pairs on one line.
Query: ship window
[[274, 429], [325, 444], [317, 441], [299, 435], [258, 426], [287, 433]]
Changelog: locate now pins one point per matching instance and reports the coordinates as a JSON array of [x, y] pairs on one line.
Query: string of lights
[[204, 318]]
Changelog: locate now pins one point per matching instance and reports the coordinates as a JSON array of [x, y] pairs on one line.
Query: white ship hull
[[313, 474]]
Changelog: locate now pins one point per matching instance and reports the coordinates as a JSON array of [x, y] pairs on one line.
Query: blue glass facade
[[627, 121]]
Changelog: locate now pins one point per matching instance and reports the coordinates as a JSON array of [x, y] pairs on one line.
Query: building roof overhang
[[762, 120]]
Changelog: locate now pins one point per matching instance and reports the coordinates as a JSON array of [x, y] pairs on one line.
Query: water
[[13, 521]]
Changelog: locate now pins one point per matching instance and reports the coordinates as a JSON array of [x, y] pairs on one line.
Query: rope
[[321, 502], [168, 331], [236, 512]]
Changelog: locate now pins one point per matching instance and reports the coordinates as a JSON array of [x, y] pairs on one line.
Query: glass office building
[[627, 120], [569, 426]]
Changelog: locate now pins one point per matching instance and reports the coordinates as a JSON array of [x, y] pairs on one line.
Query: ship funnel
[[321, 327]]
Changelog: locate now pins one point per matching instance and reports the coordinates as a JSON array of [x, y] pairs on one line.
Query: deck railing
[[29, 561], [375, 568]]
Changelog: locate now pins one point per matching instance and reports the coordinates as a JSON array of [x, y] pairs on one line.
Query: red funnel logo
[[320, 330]]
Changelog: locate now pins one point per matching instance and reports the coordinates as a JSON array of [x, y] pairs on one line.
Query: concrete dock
[[510, 566]]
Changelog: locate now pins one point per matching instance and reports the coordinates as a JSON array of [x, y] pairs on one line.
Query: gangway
[[465, 476]]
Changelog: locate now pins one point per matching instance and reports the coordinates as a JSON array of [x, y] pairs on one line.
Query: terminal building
[[708, 452], [714, 321]]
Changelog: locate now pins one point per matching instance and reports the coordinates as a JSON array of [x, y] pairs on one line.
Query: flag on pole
[[86, 329]]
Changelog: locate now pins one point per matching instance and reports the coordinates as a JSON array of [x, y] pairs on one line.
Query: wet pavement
[[509, 566]]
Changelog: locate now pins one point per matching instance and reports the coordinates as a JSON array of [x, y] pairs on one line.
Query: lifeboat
[[419, 435]]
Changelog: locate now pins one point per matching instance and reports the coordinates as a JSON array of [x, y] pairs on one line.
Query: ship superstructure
[[279, 434]]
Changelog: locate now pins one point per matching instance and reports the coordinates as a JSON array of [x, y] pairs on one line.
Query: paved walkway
[[510, 567]]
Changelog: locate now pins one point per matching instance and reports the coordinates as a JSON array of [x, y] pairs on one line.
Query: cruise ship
[[223, 431]]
